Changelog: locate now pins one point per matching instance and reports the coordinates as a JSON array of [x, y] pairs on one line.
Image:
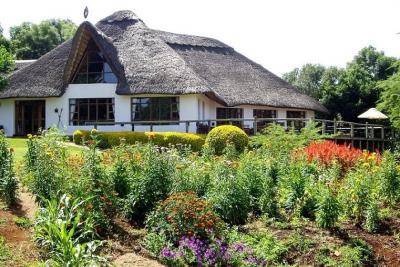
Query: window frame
[[92, 48], [239, 112], [297, 123], [174, 108], [262, 124], [75, 105]]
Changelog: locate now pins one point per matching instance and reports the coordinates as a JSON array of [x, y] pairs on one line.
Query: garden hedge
[[165, 139], [219, 137]]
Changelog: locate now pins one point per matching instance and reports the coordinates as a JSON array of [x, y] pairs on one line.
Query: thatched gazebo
[[372, 114]]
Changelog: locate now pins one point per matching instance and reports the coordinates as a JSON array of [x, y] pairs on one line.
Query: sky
[[278, 34]]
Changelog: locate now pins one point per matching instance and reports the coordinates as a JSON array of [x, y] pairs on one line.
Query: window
[[86, 111], [230, 113], [298, 124], [93, 67], [155, 109], [264, 113]]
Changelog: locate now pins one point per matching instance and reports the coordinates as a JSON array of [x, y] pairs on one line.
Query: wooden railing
[[369, 136]]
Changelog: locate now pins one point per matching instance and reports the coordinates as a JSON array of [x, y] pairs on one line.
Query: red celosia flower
[[327, 152]]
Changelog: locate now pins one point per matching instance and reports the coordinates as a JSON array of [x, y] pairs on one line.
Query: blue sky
[[279, 34]]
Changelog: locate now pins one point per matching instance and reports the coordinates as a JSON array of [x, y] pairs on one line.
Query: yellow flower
[[151, 135]]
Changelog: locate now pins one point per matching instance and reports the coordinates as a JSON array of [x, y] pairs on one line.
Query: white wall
[[7, 111], [187, 103], [211, 107], [191, 107]]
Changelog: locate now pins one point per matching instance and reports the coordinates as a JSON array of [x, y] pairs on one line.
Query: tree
[[31, 41], [360, 89], [348, 91], [390, 98], [6, 65], [307, 79], [3, 41]]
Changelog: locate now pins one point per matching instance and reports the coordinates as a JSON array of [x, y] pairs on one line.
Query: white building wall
[[122, 104], [7, 120], [191, 107]]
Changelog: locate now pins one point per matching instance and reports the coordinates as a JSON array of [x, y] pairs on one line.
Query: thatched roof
[[20, 64], [158, 62], [372, 114]]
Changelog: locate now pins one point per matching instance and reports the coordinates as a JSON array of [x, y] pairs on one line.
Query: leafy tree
[[390, 98], [3, 41], [348, 91], [6, 65], [31, 41], [307, 79]]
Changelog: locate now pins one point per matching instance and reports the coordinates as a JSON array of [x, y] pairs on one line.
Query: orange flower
[[151, 135]]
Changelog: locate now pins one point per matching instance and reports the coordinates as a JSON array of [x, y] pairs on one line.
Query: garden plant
[[198, 208]]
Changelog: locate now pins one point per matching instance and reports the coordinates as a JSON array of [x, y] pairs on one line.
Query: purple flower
[[239, 247], [167, 253], [210, 256]]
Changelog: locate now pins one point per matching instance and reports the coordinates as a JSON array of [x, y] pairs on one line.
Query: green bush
[[66, 234], [328, 208], [297, 188], [46, 164], [95, 183], [192, 174], [260, 180], [360, 189], [280, 143], [229, 194], [80, 136], [150, 180], [218, 138], [390, 176], [184, 214], [165, 139], [8, 180]]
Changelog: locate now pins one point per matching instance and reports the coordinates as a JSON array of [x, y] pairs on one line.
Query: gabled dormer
[[93, 59], [93, 67]]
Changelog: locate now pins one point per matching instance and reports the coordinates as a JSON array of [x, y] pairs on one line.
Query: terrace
[[361, 135]]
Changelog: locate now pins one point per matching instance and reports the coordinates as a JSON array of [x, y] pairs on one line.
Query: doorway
[[29, 116]]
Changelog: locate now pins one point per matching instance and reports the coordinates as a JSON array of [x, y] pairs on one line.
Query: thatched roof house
[[141, 62]]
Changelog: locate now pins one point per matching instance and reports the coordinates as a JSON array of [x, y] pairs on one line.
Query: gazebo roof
[[372, 114]]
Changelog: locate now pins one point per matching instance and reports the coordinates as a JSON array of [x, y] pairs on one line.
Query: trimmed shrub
[[218, 138], [165, 139], [80, 136]]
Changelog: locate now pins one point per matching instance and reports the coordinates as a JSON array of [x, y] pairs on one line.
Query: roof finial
[[86, 12]]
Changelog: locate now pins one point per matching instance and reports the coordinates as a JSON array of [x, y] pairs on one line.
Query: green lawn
[[20, 147]]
